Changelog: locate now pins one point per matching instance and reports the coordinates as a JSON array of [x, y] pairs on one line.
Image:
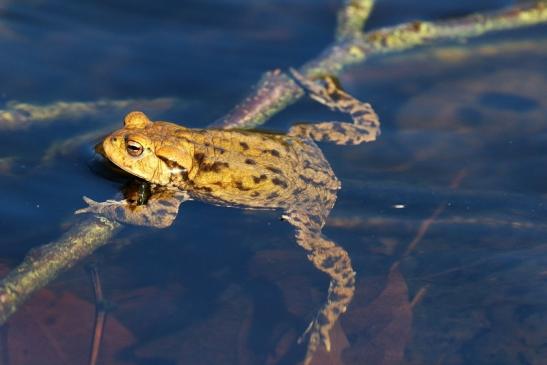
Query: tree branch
[[44, 263], [273, 93], [352, 18], [259, 106]]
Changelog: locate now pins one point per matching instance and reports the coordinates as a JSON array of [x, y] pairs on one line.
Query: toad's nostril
[[114, 139]]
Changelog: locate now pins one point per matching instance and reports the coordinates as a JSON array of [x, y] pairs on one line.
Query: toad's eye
[[134, 148]]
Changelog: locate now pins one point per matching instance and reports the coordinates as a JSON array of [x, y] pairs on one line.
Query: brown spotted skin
[[227, 167], [253, 169]]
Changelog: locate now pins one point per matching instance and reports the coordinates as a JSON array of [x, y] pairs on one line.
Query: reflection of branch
[[259, 106], [273, 93], [44, 263], [16, 115]]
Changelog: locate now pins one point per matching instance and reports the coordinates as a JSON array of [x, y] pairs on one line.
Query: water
[[463, 136]]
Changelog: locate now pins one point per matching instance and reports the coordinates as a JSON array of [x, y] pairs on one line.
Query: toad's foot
[[101, 207], [317, 335], [333, 260], [365, 126], [160, 211]]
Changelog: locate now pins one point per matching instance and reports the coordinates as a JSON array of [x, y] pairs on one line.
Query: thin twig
[[100, 316], [426, 224], [424, 227], [419, 296]]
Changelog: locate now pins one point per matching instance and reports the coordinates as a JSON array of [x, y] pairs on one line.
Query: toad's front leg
[[332, 259], [159, 211]]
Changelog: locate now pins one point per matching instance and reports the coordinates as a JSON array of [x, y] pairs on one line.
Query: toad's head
[[149, 150]]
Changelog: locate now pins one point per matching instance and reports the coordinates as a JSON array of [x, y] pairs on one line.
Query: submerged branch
[[44, 263], [419, 33], [274, 92]]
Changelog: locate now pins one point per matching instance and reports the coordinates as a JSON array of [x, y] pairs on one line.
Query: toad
[[249, 169]]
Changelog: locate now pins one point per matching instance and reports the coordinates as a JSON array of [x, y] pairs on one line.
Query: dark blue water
[[464, 144]]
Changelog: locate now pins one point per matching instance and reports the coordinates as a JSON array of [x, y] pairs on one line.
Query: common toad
[[250, 169]]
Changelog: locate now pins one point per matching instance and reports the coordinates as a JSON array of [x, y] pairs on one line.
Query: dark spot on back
[[273, 196], [274, 153], [244, 145], [250, 161], [280, 182], [308, 180], [506, 101], [215, 167], [254, 194], [199, 157], [274, 170], [240, 186], [258, 179]]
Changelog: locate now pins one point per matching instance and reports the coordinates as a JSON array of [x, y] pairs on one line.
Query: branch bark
[[352, 18], [273, 93]]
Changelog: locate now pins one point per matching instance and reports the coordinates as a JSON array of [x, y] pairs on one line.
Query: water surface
[[462, 158]]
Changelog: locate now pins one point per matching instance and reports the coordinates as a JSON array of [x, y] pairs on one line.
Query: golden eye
[[134, 148]]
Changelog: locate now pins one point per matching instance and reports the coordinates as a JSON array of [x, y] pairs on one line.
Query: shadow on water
[[461, 160]]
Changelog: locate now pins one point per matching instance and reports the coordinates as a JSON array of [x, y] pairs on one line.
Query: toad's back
[[260, 170]]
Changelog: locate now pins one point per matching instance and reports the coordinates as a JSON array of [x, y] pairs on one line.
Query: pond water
[[443, 216]]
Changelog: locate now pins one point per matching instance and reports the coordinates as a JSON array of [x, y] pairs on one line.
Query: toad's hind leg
[[365, 126], [332, 259]]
